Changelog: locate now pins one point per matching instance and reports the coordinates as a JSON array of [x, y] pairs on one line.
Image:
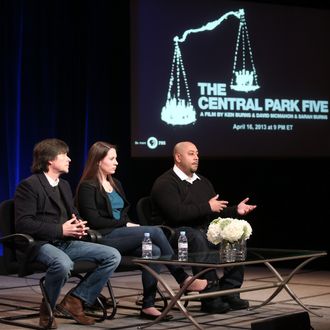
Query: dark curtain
[[64, 74]]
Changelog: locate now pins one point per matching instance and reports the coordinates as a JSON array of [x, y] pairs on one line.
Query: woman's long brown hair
[[95, 154]]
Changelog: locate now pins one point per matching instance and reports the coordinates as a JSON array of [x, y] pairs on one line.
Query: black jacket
[[94, 206], [37, 211]]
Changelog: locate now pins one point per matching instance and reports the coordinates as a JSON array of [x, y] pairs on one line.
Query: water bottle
[[147, 246], [182, 247]]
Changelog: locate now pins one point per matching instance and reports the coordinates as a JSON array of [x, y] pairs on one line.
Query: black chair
[[127, 265], [144, 214], [15, 261], [144, 210]]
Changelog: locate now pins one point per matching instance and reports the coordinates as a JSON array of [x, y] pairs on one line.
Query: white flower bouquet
[[228, 229]]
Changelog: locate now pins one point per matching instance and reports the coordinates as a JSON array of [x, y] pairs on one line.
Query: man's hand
[[75, 227], [243, 208], [217, 205]]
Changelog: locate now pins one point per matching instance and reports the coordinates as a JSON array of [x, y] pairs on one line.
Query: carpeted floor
[[311, 286]]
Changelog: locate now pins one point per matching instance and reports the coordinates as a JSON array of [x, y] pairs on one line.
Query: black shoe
[[236, 302], [144, 315], [214, 306]]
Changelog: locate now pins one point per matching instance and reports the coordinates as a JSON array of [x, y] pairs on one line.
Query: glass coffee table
[[211, 260]]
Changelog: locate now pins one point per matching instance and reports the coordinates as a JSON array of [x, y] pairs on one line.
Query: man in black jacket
[[44, 209], [187, 201]]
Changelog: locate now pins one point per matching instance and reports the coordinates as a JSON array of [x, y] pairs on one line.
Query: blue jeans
[[60, 261], [128, 241]]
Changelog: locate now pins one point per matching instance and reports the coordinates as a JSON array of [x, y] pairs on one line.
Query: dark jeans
[[197, 241], [128, 241]]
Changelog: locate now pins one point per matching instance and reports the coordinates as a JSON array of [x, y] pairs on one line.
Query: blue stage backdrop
[[65, 72]]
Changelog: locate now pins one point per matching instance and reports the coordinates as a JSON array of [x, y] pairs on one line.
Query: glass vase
[[227, 251], [241, 250]]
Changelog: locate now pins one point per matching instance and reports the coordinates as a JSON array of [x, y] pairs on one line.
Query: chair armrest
[[94, 236], [17, 238], [21, 246]]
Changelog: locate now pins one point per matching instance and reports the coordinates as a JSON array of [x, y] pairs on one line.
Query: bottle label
[[147, 247], [183, 245]]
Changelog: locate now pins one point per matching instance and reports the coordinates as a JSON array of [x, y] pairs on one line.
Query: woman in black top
[[101, 200]]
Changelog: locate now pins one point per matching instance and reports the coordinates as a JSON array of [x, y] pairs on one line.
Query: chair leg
[[163, 298], [99, 302], [46, 302], [107, 302], [104, 311], [16, 320], [113, 299]]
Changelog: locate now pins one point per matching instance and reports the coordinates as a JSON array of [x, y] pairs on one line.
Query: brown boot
[[72, 306], [44, 318]]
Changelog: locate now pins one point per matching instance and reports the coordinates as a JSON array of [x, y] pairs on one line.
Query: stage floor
[[311, 286]]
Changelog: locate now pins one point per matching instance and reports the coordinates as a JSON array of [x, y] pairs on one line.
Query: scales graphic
[[179, 109]]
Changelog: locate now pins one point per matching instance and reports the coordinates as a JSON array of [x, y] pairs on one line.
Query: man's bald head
[[182, 146], [185, 156]]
